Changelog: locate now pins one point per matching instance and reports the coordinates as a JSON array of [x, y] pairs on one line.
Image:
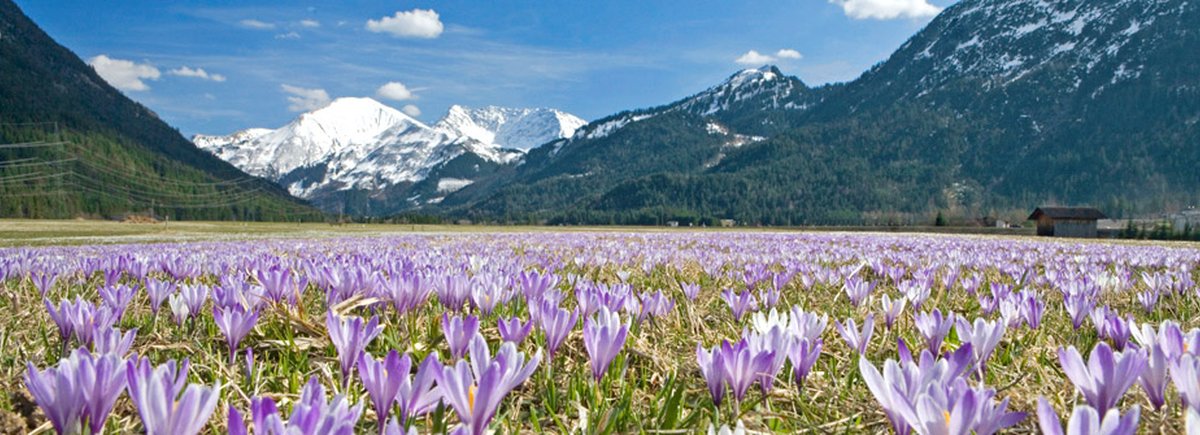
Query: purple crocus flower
[[58, 392], [857, 339], [1185, 375], [418, 396], [892, 309], [983, 336], [993, 416], [934, 327], [603, 337], [111, 341], [1154, 377], [117, 299], [654, 305], [1086, 421], [807, 325], [383, 379], [158, 291], [101, 380], [43, 280], [740, 303], [1032, 309], [1106, 376], [350, 336], [62, 317], [167, 404], [512, 330], [775, 341], [235, 323], [712, 367], [857, 289], [743, 366], [312, 415], [690, 291], [916, 292], [475, 390], [1079, 306], [556, 324], [459, 331], [803, 355]]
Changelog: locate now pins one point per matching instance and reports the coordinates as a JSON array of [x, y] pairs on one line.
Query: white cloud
[[411, 110], [417, 23], [753, 57], [887, 9], [395, 91], [200, 73], [123, 74], [256, 24], [788, 53], [304, 99], [288, 35], [310, 23]]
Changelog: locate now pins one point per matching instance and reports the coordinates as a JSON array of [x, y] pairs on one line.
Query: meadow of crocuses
[[601, 333]]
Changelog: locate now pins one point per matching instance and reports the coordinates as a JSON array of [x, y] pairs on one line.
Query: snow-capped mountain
[[746, 94], [521, 129], [359, 143]]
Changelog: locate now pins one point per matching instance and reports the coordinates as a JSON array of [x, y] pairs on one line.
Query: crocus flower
[[382, 380], [43, 280], [158, 291], [1032, 309], [459, 331], [1185, 374], [915, 291], [993, 416], [117, 298], [857, 289], [1154, 377], [803, 355], [312, 415], [111, 341], [235, 323], [350, 336], [58, 392], [101, 380], [654, 305], [556, 324], [1086, 421], [690, 291], [603, 337], [167, 404], [743, 366], [418, 396], [934, 327], [475, 390], [892, 309], [807, 325], [1106, 376], [857, 339], [1079, 306], [512, 330], [983, 336], [740, 303], [712, 367], [775, 341]]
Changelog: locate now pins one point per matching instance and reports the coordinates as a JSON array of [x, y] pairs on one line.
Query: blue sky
[[219, 66]]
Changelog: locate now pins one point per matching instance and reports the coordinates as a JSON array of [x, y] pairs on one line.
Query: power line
[[37, 144]]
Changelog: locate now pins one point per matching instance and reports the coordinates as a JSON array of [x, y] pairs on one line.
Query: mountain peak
[[506, 127]]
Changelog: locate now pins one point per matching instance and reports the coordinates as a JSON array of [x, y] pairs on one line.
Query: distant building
[[672, 223], [1066, 221], [727, 222]]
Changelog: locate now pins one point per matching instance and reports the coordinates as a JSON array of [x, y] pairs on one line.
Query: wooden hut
[[1066, 221]]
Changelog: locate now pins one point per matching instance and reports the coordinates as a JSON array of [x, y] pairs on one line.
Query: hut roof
[[1083, 213]]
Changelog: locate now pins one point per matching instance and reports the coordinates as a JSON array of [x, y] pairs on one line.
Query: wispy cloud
[[124, 74], [199, 73], [753, 57], [310, 23], [788, 53], [411, 110], [288, 35], [256, 24]]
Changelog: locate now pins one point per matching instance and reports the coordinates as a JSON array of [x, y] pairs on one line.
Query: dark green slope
[[996, 106], [84, 149]]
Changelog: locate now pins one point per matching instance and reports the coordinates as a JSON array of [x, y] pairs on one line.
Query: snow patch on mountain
[[501, 127]]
